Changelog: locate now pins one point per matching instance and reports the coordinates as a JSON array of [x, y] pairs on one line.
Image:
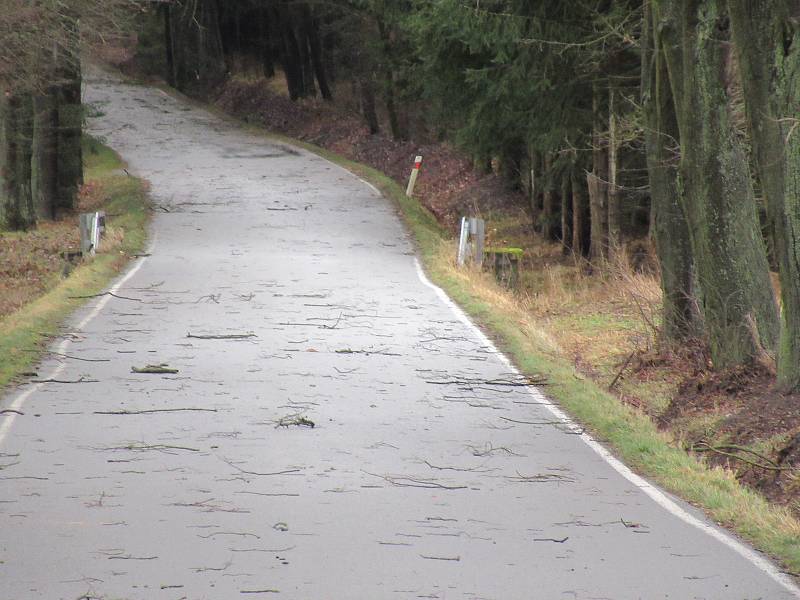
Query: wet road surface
[[285, 293]]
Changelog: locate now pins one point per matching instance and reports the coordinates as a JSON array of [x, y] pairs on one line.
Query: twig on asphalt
[[296, 420], [226, 336], [239, 533], [105, 294], [152, 410], [462, 470], [418, 483], [540, 478], [209, 298], [79, 380], [160, 369], [366, 352], [139, 447], [62, 355], [238, 468], [534, 422], [489, 449]]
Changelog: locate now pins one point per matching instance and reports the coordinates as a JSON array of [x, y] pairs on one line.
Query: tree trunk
[[549, 202], [311, 30], [168, 45], [368, 104], [615, 249], [669, 230], [768, 51], [290, 53], [70, 119], [306, 67], [388, 82], [598, 188], [44, 177], [533, 193], [581, 230], [15, 160], [566, 212], [267, 58], [716, 191]]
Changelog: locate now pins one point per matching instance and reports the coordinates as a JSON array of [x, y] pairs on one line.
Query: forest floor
[[606, 322]]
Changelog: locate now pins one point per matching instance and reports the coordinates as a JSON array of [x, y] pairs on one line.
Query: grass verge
[[24, 332]]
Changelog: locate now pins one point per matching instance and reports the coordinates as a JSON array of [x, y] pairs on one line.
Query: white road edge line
[[19, 401], [653, 492]]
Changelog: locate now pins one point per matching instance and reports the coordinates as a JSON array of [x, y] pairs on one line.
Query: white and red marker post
[[414, 173]]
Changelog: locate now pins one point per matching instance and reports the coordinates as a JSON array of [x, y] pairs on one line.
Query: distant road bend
[[286, 294]]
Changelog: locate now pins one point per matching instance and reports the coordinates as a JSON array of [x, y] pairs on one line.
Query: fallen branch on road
[[152, 410], [224, 336], [161, 369], [105, 294]]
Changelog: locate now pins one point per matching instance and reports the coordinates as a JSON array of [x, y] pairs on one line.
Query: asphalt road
[[429, 472]]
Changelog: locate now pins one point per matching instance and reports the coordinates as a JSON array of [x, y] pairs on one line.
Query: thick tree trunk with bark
[[44, 176], [367, 91], [311, 32], [533, 186], [398, 132], [716, 190], [306, 67], [669, 230], [15, 161], [267, 56], [549, 217], [169, 48], [70, 127], [581, 229], [290, 52], [566, 211], [767, 41]]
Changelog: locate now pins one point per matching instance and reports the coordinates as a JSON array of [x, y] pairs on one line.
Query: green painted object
[[514, 251]]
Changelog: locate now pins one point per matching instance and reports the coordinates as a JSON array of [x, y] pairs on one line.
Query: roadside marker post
[[92, 226], [471, 241], [414, 173]]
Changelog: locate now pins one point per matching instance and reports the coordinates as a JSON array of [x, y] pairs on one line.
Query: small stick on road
[[105, 294], [230, 336], [152, 410]]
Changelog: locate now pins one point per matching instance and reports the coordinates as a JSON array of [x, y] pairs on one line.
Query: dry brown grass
[[597, 318], [31, 263]]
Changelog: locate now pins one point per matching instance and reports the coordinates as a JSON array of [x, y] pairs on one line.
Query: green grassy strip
[[24, 333], [631, 435]]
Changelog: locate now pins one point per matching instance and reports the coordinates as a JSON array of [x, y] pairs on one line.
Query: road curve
[[429, 472]]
